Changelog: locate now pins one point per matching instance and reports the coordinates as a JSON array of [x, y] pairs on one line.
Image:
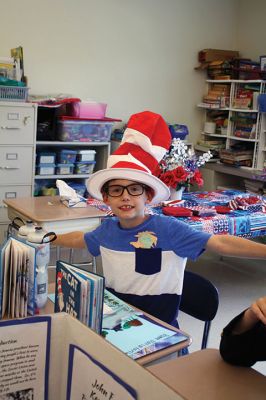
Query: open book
[[57, 357], [17, 279], [134, 332], [80, 294]]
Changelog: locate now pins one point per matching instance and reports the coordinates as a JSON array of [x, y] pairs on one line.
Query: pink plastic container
[[89, 109]]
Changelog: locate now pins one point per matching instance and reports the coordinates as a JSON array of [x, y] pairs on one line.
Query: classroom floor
[[239, 282]]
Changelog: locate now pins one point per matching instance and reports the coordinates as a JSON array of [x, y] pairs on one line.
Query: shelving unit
[[262, 143], [232, 106], [102, 152]]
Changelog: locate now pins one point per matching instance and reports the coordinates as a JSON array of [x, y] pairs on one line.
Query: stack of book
[[220, 118], [244, 125], [237, 157], [11, 68], [220, 69], [255, 187], [213, 145], [217, 96]]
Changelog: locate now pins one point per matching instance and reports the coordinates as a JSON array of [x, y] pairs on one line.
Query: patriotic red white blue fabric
[[145, 141]]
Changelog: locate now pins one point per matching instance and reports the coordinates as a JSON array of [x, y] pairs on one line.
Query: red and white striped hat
[[145, 141]]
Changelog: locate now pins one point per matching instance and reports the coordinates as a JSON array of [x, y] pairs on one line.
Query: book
[[58, 357], [17, 279], [79, 293], [17, 54], [133, 332]]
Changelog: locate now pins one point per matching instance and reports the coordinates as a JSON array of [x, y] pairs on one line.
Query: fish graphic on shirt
[[146, 240]]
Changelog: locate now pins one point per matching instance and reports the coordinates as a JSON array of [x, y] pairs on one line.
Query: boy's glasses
[[135, 189]]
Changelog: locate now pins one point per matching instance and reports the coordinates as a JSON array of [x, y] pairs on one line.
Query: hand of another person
[[258, 310]]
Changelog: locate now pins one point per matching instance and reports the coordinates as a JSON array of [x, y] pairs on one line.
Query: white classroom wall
[[133, 55], [251, 29]]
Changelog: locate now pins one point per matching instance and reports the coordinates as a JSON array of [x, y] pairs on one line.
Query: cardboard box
[[208, 55]]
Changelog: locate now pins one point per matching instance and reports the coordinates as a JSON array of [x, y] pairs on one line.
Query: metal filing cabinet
[[17, 154]]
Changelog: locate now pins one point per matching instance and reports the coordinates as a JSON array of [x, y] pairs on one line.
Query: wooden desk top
[[49, 208], [204, 375]]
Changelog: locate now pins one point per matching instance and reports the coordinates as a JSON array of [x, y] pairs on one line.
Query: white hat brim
[[99, 178]]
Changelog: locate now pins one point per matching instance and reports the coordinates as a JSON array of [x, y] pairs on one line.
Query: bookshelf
[[231, 120]]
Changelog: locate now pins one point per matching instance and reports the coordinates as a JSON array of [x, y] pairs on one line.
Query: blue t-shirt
[[144, 266]]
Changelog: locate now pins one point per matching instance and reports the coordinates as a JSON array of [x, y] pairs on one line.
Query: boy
[[144, 256], [243, 339]]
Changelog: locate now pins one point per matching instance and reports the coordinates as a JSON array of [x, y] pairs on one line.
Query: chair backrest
[[200, 299]]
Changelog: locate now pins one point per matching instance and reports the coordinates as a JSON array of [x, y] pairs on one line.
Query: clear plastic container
[[46, 157], [65, 156], [84, 167], [45, 169], [84, 130], [64, 169], [86, 155]]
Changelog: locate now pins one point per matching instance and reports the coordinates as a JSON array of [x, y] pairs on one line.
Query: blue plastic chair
[[200, 299]]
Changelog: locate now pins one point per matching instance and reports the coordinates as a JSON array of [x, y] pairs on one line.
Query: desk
[[204, 375], [52, 215], [149, 359], [249, 223]]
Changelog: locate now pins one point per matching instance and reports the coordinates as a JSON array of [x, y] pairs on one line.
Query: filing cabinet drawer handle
[[7, 167], [10, 127]]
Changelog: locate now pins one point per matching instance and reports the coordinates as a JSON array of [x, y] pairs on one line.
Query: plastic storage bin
[[84, 167], [14, 93], [84, 130], [46, 157], [65, 156], [64, 169], [86, 155], [89, 109], [80, 188], [45, 169]]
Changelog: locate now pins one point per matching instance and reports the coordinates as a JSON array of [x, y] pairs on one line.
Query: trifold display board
[[57, 357]]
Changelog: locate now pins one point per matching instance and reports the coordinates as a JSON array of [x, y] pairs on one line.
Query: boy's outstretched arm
[[74, 240], [236, 247]]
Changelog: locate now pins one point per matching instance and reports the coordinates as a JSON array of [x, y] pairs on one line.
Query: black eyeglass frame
[[144, 187]]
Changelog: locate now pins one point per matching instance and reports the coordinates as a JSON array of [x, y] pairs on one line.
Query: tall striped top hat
[[145, 141]]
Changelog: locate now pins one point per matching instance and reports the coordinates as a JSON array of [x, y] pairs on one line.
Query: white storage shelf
[[63, 176], [102, 152], [231, 114]]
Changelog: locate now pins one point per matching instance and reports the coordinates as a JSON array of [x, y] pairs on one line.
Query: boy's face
[[129, 208]]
